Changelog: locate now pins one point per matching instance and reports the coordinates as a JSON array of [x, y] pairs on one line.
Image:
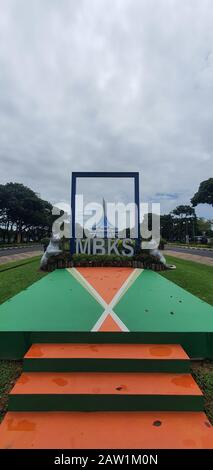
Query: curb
[[17, 247], [167, 247]]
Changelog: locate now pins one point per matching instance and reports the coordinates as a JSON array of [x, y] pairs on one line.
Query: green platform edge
[[14, 345], [66, 402], [106, 365], [59, 309]]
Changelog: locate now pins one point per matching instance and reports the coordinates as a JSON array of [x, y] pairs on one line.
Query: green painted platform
[[59, 308]]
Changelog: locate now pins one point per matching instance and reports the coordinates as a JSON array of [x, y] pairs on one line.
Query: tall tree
[[204, 227], [167, 227], [184, 211], [22, 210], [184, 221], [204, 195]]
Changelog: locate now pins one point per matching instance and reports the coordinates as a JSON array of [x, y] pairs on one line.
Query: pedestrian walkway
[[19, 256], [189, 257]]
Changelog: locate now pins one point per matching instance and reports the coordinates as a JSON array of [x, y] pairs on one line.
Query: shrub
[[162, 244], [210, 242], [45, 242], [141, 260]]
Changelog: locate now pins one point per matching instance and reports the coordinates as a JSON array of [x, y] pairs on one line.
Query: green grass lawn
[[14, 280], [202, 372], [9, 372], [194, 277]]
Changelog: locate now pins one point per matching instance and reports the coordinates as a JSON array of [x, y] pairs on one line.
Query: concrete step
[[105, 391], [101, 430], [116, 357]]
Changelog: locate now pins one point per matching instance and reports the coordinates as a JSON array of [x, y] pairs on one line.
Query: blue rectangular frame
[[102, 174]]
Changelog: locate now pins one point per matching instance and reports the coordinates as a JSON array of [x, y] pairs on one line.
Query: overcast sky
[[95, 85]]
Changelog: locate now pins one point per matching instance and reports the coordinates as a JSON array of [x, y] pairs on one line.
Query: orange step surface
[[106, 351], [105, 383], [106, 430]]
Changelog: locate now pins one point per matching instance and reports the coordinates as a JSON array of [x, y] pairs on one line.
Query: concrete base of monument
[[105, 305]]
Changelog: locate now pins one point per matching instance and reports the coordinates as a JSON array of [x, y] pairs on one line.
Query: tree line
[[24, 216], [182, 224]]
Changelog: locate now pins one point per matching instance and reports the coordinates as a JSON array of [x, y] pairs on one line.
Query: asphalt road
[[29, 249], [16, 251], [192, 251]]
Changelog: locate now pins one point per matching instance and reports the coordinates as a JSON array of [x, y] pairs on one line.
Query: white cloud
[[107, 85]]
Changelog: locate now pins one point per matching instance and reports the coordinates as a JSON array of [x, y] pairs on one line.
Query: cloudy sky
[[107, 85]]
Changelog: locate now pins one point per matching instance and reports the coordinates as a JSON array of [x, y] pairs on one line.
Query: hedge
[[141, 260]]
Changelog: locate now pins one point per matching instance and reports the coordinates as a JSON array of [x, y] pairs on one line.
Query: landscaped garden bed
[[141, 260]]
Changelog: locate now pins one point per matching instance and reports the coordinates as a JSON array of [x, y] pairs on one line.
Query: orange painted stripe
[[132, 383], [109, 324], [106, 281], [106, 430], [106, 351]]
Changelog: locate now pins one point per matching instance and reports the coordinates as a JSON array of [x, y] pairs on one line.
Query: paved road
[[191, 251], [18, 251]]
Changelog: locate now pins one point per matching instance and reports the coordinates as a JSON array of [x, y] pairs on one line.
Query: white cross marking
[[108, 307]]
